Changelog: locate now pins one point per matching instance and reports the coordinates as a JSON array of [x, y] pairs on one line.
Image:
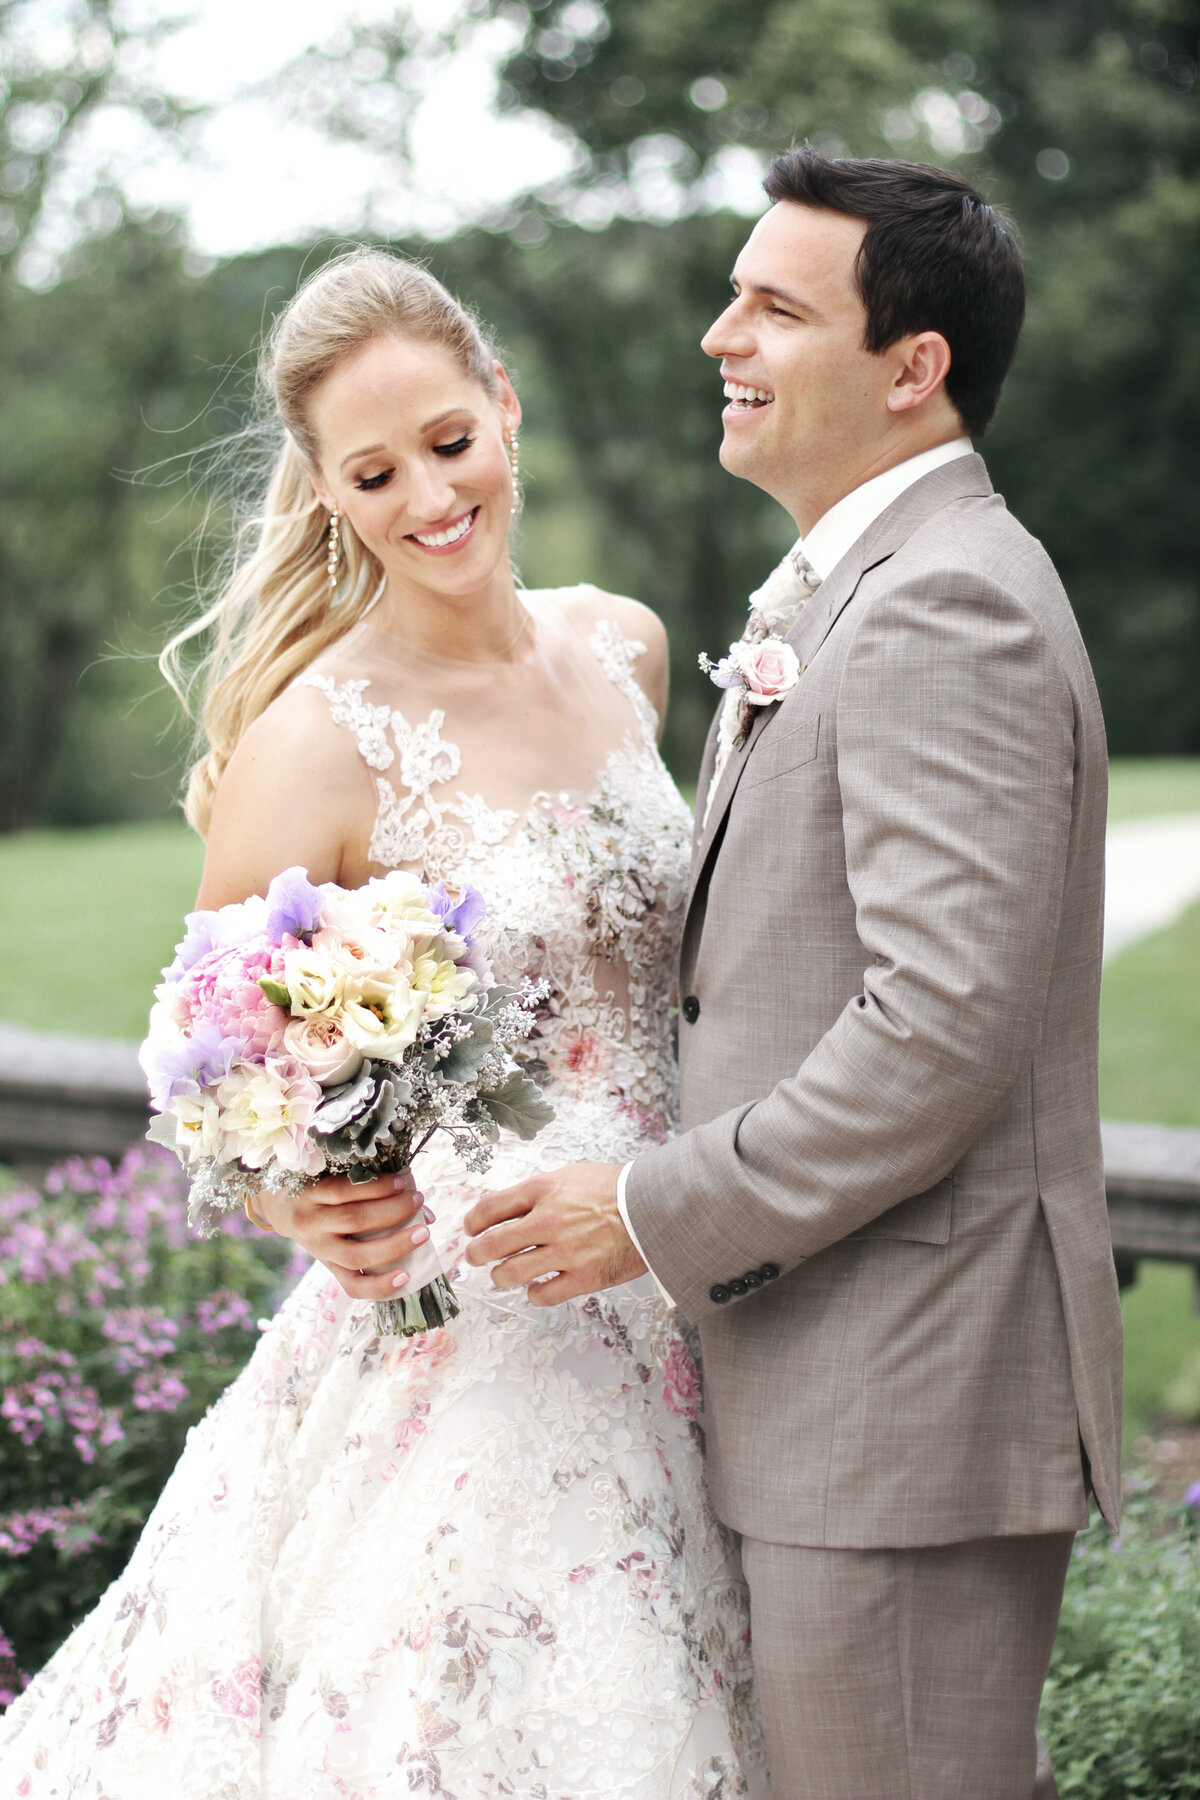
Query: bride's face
[[413, 453]]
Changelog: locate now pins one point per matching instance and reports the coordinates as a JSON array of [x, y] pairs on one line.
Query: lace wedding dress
[[480, 1562]]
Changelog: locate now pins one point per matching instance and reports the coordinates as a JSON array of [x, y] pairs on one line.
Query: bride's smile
[[416, 456]]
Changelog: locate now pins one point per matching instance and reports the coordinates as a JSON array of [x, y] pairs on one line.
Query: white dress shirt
[[834, 533]]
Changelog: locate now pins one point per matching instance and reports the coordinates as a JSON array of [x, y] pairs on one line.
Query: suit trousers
[[905, 1674]]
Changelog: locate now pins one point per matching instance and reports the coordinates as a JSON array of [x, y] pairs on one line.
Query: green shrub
[[1121, 1712], [118, 1329]]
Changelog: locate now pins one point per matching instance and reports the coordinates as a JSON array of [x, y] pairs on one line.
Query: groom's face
[[806, 409]]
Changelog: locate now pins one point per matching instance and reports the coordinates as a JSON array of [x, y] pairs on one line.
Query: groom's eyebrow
[[773, 293]]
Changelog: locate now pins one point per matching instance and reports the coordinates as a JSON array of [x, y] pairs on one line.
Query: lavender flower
[[177, 1065], [1192, 1497], [293, 906]]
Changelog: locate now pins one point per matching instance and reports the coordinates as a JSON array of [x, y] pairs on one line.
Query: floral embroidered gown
[[480, 1562]]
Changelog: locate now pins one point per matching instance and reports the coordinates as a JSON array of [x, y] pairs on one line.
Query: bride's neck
[[485, 626]]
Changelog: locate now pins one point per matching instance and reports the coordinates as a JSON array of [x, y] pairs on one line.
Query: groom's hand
[[564, 1225]]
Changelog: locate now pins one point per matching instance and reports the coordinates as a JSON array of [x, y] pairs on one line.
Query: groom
[[886, 1209]]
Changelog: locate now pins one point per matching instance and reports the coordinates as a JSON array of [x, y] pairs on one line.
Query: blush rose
[[770, 669]]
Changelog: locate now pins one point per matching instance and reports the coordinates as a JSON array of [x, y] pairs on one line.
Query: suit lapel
[[963, 478]]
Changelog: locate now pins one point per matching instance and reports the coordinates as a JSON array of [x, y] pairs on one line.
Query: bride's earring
[[513, 460], [335, 549]]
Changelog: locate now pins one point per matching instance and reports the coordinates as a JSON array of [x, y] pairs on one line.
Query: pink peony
[[223, 990], [770, 669]]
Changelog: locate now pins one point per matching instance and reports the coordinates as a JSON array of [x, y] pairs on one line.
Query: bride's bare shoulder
[[588, 605], [295, 790]]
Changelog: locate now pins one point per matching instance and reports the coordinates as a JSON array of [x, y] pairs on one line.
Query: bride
[[479, 1562]]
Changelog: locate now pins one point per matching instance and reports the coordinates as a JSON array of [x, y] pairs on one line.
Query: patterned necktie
[[773, 610]]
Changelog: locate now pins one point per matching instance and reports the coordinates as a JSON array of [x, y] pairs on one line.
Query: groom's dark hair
[[935, 257]]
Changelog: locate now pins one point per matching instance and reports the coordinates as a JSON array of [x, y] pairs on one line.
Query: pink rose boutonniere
[[757, 672]]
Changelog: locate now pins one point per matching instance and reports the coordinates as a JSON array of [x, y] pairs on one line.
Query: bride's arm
[[296, 791]]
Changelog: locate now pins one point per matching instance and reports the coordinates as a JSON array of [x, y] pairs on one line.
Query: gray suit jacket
[[886, 1210]]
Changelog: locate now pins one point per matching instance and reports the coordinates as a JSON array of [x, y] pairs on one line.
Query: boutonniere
[[757, 672]]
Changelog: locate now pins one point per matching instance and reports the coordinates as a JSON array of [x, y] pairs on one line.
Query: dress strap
[[368, 723], [414, 827], [617, 655]]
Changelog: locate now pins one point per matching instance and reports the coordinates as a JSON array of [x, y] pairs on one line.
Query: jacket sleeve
[[955, 755]]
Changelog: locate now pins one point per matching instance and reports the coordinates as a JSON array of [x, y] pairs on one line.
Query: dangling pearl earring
[[513, 462], [335, 550]]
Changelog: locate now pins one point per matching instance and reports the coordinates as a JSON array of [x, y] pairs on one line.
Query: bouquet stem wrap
[[427, 1300]]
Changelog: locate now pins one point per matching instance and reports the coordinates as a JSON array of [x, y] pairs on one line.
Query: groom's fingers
[[494, 1209], [560, 1288], [529, 1232], [524, 1267]]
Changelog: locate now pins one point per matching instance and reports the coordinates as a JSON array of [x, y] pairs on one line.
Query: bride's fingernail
[[399, 1280], [429, 1216], [399, 1181], [420, 1235]]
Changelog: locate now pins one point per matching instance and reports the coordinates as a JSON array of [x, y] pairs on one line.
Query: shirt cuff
[[623, 1209]]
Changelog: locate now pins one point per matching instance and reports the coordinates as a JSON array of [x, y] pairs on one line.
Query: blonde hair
[[275, 612]]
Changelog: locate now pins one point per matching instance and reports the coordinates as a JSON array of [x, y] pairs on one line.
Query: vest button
[[691, 1009]]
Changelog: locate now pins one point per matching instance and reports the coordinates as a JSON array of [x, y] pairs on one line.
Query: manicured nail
[[399, 1181], [399, 1280], [429, 1216], [421, 1235]]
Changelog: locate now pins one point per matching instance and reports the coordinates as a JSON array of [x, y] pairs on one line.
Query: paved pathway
[[1153, 875]]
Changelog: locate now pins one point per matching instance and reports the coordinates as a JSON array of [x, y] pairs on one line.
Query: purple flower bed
[[118, 1329]]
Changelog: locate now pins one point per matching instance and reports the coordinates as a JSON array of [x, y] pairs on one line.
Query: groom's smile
[[810, 412]]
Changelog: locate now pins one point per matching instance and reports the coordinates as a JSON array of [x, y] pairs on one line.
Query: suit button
[[752, 1279], [718, 1294], [770, 1271], [691, 1009], [738, 1286]]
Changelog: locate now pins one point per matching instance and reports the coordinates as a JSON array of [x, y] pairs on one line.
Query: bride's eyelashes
[[367, 484]]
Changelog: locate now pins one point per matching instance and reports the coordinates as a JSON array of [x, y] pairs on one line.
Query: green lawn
[[95, 914], [90, 918], [1141, 786]]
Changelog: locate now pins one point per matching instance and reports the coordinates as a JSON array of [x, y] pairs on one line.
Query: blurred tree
[[1081, 115], [61, 65]]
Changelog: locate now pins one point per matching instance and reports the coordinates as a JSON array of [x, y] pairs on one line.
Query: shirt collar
[[840, 528]]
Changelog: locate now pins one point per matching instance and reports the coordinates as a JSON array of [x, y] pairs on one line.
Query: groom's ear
[[921, 364]]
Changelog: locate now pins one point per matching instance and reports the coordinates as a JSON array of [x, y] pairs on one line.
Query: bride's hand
[[360, 1232]]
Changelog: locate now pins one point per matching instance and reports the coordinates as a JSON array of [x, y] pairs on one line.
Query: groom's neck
[[826, 484]]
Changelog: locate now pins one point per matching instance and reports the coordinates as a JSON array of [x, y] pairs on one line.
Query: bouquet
[[325, 1029]]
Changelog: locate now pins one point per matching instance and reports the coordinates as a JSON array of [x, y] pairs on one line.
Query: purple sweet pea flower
[[200, 936], [1192, 1497], [172, 1064], [462, 915], [293, 906]]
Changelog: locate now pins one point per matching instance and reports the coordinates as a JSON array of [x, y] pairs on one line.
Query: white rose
[[322, 1047], [191, 1126], [382, 1013], [313, 980]]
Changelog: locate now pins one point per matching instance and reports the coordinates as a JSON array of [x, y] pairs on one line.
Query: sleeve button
[[752, 1279], [769, 1271], [691, 1009], [737, 1286], [718, 1294]]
